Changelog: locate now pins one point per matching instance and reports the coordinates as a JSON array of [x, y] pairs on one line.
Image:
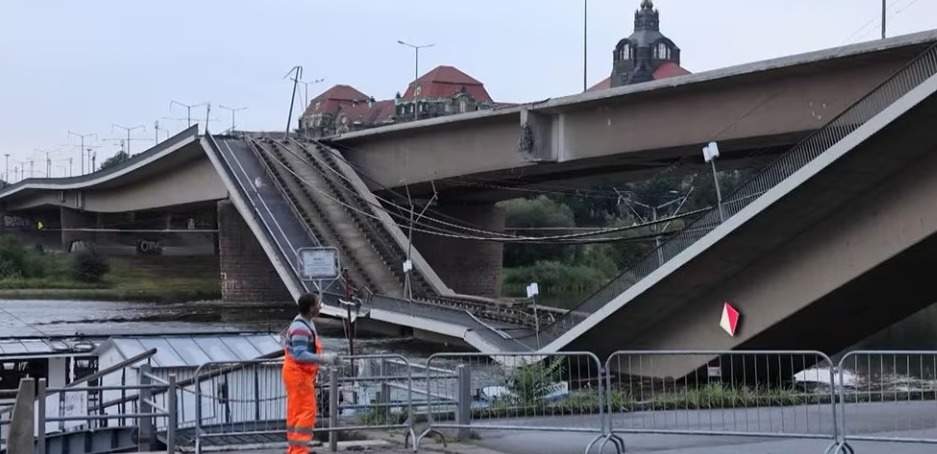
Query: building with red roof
[[444, 90]]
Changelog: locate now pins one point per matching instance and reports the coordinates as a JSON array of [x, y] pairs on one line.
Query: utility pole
[[128, 130], [188, 109], [884, 18], [297, 73], [306, 92], [585, 45], [416, 48], [82, 149], [70, 167], [6, 173], [235, 110]]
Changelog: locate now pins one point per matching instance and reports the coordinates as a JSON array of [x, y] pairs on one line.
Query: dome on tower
[[646, 54]]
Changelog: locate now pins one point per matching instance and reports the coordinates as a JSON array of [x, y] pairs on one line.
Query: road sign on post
[[319, 264]]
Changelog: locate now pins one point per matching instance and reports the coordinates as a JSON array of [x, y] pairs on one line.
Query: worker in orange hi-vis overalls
[[303, 355]]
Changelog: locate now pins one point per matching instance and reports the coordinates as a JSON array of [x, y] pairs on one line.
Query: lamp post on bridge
[[416, 49]]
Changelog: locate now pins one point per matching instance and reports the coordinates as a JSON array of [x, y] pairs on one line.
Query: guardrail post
[[41, 414], [172, 407], [21, 423], [463, 417], [333, 409], [198, 411], [145, 430]]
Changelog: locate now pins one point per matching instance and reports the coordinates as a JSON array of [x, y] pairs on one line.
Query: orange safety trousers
[[300, 382]]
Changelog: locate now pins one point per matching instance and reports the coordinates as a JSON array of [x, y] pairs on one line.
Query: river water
[[21, 318]]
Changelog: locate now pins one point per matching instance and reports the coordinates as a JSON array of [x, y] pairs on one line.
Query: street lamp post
[[416, 48]]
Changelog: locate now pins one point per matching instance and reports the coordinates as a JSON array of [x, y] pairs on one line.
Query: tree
[[115, 160]]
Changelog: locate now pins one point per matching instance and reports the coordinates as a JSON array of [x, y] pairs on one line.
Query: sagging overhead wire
[[555, 239], [565, 239]]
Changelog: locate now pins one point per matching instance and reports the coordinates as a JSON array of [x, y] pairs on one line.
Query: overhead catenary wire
[[449, 234], [598, 231]]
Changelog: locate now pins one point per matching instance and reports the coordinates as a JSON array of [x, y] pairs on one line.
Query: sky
[[87, 65]]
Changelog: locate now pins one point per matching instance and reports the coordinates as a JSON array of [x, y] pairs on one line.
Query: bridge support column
[[77, 219], [467, 266], [246, 273]]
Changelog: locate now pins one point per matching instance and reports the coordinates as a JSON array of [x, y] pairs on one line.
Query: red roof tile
[[664, 71], [445, 82], [334, 99], [669, 70]]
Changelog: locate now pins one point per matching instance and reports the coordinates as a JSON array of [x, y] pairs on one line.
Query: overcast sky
[[84, 65]]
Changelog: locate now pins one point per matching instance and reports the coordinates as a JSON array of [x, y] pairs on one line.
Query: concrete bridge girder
[[762, 105]]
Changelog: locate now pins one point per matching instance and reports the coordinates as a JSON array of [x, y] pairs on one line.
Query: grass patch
[[128, 279]]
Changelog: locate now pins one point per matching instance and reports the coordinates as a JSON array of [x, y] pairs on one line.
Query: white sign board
[[533, 290], [318, 263]]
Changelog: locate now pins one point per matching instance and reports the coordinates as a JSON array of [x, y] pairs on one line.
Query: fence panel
[[556, 392], [763, 394], [234, 400], [237, 398], [889, 396]]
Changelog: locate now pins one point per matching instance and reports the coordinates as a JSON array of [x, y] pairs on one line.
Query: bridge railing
[[884, 95]]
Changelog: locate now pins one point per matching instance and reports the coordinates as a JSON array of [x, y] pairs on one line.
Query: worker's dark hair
[[307, 302]]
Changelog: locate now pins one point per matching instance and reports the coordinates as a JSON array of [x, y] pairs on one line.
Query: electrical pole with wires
[[82, 149], [233, 110], [884, 18], [188, 109], [585, 45], [306, 92], [128, 131], [297, 75]]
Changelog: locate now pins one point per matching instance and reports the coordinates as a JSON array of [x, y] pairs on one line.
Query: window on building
[[663, 51], [418, 90]]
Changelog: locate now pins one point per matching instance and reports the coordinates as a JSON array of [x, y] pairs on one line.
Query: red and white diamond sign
[[730, 319]]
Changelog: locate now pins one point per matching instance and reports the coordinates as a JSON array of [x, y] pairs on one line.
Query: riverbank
[[162, 279]]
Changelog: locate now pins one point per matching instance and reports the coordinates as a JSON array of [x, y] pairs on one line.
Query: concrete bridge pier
[[77, 219], [246, 273], [466, 266]]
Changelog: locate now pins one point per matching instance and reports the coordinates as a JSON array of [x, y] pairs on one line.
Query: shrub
[[17, 261], [88, 266]]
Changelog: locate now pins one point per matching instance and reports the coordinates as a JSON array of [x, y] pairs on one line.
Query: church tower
[[638, 57]]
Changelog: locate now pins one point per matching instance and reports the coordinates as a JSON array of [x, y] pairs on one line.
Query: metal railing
[[895, 386], [248, 398], [884, 95], [558, 392], [768, 394], [870, 397]]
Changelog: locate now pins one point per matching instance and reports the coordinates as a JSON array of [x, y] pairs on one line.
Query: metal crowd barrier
[[555, 392], [248, 399], [772, 394], [896, 386]]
